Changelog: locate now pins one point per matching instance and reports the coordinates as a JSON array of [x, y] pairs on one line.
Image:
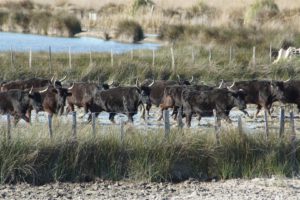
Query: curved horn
[[232, 84], [42, 91], [192, 79], [151, 83], [64, 78], [287, 80], [70, 88], [51, 80], [222, 81], [137, 82], [230, 89], [178, 77], [53, 83], [30, 91]]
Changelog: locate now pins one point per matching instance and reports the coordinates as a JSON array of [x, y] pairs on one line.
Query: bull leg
[[161, 115], [148, 107], [112, 117], [16, 120], [26, 119], [70, 108], [188, 119], [258, 108], [85, 110], [130, 117], [199, 118], [175, 112]]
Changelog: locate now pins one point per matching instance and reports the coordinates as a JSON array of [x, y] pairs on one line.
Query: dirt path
[[274, 188]]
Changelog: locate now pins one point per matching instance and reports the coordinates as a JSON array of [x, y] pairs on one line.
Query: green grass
[[32, 157]]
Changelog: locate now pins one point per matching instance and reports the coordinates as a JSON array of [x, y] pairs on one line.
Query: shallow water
[[38, 43]]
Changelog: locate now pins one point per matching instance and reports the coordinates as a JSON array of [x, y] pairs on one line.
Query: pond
[[38, 43]]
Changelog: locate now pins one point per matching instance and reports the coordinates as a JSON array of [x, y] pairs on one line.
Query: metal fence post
[[8, 127], [179, 118], [50, 125], [74, 125], [167, 123], [94, 124], [217, 127], [266, 124], [240, 126], [281, 123], [50, 60]]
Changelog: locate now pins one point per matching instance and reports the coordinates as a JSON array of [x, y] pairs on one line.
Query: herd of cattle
[[18, 98]]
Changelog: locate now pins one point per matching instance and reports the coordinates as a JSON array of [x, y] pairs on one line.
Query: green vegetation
[[31, 156], [129, 31], [261, 11]]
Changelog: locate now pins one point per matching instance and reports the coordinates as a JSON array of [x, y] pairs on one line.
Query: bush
[[22, 19], [201, 9], [136, 4], [4, 15], [261, 11], [66, 24], [129, 31], [171, 33]]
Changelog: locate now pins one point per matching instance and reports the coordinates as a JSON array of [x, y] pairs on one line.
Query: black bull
[[124, 100], [172, 96], [28, 83], [291, 90], [17, 102], [204, 102], [157, 90], [260, 92]]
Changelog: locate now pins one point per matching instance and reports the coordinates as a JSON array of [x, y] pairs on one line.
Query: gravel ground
[[259, 188]]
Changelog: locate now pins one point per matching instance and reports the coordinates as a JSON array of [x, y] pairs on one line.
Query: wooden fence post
[[94, 124], [91, 60], [209, 55], [153, 58], [122, 133], [173, 59], [131, 54], [293, 143], [50, 60], [8, 127], [217, 127], [240, 126], [112, 57], [292, 122], [270, 53], [179, 118], [193, 56], [230, 54], [266, 124], [70, 58], [11, 58], [167, 123], [30, 59], [50, 125], [74, 125], [254, 56], [281, 123]]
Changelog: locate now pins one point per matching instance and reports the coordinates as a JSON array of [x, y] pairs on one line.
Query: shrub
[[136, 4], [201, 9], [3, 17], [129, 31], [40, 22], [22, 19], [261, 11], [171, 33], [66, 24]]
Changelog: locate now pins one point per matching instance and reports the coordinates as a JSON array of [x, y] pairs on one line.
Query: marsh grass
[[33, 157]]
